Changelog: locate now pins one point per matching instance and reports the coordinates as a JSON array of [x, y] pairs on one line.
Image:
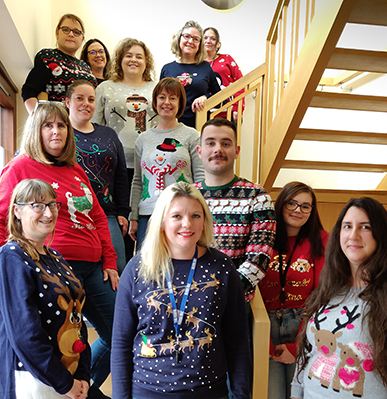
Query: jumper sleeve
[[99, 116], [23, 328], [196, 162], [236, 74], [37, 79], [259, 247], [124, 331], [214, 85], [121, 183], [234, 330], [135, 193]]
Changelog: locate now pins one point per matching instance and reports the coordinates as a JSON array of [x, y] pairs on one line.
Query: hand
[[285, 357], [123, 222], [113, 276], [79, 390], [198, 103], [235, 116], [133, 227]]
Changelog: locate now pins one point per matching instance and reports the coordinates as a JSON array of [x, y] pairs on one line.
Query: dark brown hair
[[220, 122], [336, 278], [171, 86]]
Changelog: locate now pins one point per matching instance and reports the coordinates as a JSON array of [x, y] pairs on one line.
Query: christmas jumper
[[37, 332], [81, 231], [127, 110], [341, 357], [244, 227], [198, 80], [101, 156], [301, 279], [163, 157], [228, 72], [53, 72], [213, 334]]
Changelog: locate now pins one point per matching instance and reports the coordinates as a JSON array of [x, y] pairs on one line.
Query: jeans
[[118, 242], [283, 330], [141, 230], [99, 310]]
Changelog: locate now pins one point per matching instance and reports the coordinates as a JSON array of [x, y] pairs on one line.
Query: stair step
[[335, 166], [359, 60], [340, 136], [349, 101], [370, 12]]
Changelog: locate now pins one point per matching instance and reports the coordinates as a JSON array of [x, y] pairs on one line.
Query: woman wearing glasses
[[195, 74], [43, 341], [292, 275], [55, 69], [82, 233], [97, 56]]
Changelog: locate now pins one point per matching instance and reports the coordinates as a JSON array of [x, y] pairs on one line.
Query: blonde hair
[[123, 46], [28, 190], [32, 144], [155, 253], [201, 54]]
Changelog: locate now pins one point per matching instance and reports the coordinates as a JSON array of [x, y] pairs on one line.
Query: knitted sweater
[[127, 110], [244, 227], [163, 157], [340, 363], [198, 80], [228, 71], [301, 279], [53, 72], [101, 156], [213, 331], [36, 331], [81, 231]]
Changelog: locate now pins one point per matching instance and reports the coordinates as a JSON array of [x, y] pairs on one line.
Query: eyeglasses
[[293, 205], [40, 207], [66, 30], [94, 52], [188, 37]]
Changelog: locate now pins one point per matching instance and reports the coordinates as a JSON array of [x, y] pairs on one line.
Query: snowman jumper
[[53, 72], [127, 110], [213, 334], [340, 361], [163, 157], [39, 339]]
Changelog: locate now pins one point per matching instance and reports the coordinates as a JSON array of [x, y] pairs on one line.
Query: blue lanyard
[[178, 317]]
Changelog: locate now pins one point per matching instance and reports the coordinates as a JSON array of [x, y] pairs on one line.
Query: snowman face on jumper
[[136, 103]]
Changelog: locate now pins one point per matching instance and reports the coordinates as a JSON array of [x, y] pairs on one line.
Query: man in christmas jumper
[[243, 213]]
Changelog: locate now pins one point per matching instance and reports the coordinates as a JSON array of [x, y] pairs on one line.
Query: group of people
[[206, 240]]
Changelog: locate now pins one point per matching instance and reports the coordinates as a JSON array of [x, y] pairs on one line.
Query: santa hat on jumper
[[364, 353]]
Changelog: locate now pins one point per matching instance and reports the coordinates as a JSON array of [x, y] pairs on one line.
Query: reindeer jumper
[[213, 333], [38, 336], [341, 358]]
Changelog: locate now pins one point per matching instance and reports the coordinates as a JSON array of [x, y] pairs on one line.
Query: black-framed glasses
[[40, 207], [66, 30], [95, 52], [293, 205], [188, 37]]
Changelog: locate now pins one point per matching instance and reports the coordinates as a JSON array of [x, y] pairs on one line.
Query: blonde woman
[[180, 323]]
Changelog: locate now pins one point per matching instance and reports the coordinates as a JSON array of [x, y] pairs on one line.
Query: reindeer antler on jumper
[[351, 318], [317, 320]]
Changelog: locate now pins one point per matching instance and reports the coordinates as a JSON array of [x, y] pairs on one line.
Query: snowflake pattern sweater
[[53, 72], [244, 227], [81, 231], [101, 156], [340, 363], [163, 157], [127, 110], [214, 334], [36, 332]]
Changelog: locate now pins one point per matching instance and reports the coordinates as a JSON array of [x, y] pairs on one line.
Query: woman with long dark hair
[[292, 275], [97, 56], [342, 345]]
